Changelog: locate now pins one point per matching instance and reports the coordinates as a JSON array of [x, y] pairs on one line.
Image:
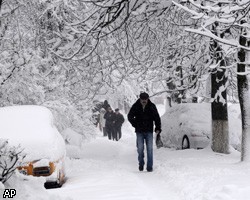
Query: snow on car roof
[[32, 127]]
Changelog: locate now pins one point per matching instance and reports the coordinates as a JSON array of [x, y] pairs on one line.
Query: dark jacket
[[110, 119], [119, 119], [143, 120]]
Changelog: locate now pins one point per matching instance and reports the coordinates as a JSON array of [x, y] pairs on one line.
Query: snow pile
[[72, 138], [74, 143], [30, 188], [204, 174], [32, 127]]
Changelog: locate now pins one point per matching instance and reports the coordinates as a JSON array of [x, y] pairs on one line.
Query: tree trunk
[[243, 92], [1, 2], [220, 136]]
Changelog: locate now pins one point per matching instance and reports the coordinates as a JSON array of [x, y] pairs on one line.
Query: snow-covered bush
[[74, 125], [10, 158], [67, 116]]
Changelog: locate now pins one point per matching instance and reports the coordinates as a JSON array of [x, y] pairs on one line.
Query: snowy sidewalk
[[108, 170]]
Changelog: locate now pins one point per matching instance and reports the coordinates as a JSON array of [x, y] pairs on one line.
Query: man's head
[[117, 110], [109, 109], [144, 98]]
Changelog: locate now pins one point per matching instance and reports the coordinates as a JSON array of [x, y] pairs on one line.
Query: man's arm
[[157, 119], [122, 119], [131, 116]]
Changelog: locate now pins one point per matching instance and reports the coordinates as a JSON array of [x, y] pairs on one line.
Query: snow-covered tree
[[157, 49], [244, 89], [10, 158], [230, 17]]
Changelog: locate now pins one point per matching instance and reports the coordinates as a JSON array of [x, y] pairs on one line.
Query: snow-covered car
[[32, 128], [188, 125]]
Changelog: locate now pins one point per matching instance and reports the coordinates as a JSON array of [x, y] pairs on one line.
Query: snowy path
[[108, 170]]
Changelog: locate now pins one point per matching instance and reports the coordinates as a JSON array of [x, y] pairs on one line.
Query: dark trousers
[[109, 131], [141, 138], [114, 135], [118, 132]]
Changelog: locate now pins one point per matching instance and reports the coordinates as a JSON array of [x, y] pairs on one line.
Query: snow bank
[[30, 188], [32, 127], [72, 138], [74, 143]]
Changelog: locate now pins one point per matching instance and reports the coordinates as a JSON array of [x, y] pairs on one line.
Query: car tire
[[185, 143], [56, 184]]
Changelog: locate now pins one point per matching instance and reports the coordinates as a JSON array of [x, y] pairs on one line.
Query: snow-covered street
[[109, 170]]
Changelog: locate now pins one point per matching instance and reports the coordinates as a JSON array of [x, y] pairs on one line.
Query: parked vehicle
[[188, 125], [32, 128]]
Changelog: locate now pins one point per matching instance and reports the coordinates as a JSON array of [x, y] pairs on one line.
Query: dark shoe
[[140, 168], [149, 169]]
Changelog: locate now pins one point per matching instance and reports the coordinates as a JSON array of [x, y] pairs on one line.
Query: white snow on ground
[[108, 170]]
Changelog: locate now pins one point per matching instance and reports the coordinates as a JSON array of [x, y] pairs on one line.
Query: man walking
[[119, 119], [109, 125], [142, 116]]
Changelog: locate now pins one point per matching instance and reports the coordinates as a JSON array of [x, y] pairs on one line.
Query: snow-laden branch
[[195, 14], [207, 33]]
